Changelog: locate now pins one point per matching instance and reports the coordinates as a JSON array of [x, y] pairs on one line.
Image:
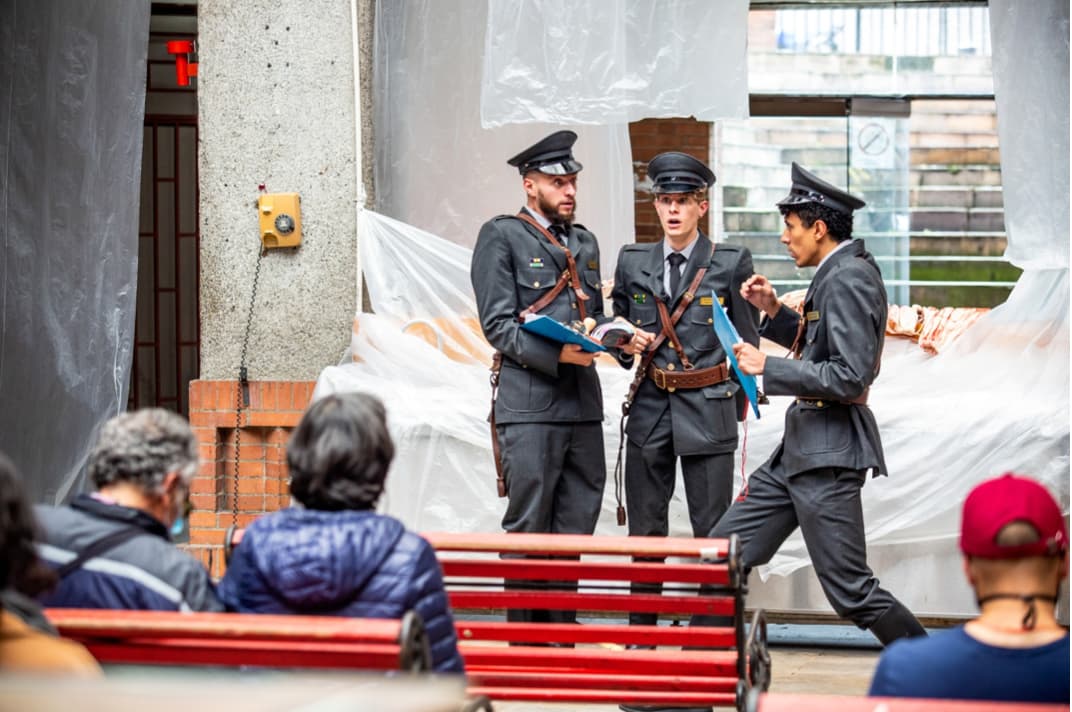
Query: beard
[[551, 211]]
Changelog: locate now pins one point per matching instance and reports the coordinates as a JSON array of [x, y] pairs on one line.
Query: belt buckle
[[657, 374]]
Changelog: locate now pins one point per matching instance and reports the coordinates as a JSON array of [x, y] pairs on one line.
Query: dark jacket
[[348, 563], [704, 419], [146, 572], [514, 265], [845, 314]]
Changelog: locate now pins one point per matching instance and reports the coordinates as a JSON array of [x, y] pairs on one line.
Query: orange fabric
[[24, 649]]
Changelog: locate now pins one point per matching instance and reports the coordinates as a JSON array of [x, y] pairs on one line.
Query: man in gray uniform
[[548, 412], [831, 440], [684, 404]]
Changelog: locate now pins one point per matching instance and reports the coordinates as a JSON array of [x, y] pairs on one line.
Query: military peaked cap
[[552, 155], [807, 188], [675, 172]]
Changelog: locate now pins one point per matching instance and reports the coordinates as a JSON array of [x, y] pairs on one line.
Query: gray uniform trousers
[[555, 475], [825, 504]]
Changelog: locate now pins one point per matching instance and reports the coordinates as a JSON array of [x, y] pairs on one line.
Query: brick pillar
[[651, 137], [275, 407]]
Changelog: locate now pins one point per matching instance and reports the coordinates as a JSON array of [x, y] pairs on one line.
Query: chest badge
[[640, 298], [592, 264], [708, 301], [812, 316], [535, 263]]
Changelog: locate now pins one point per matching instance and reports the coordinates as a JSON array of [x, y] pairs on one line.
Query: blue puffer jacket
[[348, 563]]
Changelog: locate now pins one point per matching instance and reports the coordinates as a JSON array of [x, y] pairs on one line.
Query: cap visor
[[560, 168]]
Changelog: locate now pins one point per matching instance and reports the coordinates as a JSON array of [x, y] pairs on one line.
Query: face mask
[[179, 526]]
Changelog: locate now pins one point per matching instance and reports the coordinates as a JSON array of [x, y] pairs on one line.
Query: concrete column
[[276, 106]]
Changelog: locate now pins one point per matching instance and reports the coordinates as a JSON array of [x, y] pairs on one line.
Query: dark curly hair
[[339, 454], [20, 568], [838, 224]]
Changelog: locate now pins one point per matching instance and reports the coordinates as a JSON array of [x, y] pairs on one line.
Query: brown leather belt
[[820, 403], [669, 380]]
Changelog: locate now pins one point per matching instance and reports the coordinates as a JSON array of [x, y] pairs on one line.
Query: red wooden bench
[[773, 702], [693, 666], [171, 638], [716, 667]]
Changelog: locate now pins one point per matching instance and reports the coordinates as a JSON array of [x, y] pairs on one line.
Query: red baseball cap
[[1003, 500]]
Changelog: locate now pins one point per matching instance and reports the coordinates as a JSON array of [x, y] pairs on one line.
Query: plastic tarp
[[72, 78], [436, 168], [613, 61]]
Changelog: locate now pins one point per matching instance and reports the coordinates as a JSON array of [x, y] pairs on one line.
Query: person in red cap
[[1015, 546]]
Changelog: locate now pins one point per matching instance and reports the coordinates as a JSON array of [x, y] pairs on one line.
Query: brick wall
[[274, 409], [651, 137]]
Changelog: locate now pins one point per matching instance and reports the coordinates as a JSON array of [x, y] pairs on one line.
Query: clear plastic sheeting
[[72, 75], [1031, 93], [995, 400], [436, 168], [614, 61]]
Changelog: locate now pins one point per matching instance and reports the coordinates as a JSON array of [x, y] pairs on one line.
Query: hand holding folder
[[728, 336]]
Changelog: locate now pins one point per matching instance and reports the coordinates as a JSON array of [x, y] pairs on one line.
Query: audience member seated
[[1015, 547], [335, 555], [27, 643], [112, 548]]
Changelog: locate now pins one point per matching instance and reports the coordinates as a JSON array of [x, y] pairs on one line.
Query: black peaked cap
[[552, 155], [809, 188], [674, 172]]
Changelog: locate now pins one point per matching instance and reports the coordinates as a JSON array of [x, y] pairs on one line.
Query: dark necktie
[[675, 259], [561, 232]]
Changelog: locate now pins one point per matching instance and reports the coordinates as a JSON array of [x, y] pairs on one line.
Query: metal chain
[[242, 392]]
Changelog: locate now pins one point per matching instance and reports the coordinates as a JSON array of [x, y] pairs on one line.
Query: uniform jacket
[[514, 265], [845, 313], [704, 419], [146, 572], [346, 563]]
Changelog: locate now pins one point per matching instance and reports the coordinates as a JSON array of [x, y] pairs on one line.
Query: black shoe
[[639, 646]]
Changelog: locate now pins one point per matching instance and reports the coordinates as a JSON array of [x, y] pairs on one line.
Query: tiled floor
[[825, 671]]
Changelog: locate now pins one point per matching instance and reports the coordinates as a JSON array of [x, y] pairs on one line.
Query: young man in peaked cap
[[685, 405], [831, 441], [547, 417], [1015, 545]]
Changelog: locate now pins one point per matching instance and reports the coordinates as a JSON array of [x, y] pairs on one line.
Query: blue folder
[[548, 328], [728, 336]]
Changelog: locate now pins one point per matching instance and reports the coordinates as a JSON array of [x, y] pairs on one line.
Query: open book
[[608, 335]]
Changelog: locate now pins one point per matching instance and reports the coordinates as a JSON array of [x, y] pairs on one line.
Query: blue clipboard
[[728, 336], [554, 330]]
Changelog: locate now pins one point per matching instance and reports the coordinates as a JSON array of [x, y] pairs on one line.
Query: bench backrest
[[172, 638]]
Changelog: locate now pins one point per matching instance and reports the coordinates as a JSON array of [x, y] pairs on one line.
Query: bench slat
[[73, 622], [682, 683], [573, 694], [701, 663], [264, 654], [569, 570], [548, 544], [596, 633], [569, 601]]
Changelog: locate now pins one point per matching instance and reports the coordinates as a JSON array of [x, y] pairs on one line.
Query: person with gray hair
[[113, 548]]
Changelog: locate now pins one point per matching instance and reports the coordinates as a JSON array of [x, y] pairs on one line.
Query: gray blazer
[[845, 312], [514, 265], [704, 419]]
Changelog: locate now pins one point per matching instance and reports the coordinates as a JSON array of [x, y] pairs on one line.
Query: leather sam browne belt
[[670, 380]]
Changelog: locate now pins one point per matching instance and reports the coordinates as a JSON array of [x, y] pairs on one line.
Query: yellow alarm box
[[280, 217]]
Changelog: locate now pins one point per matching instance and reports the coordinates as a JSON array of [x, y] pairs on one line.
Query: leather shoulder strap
[[571, 266]]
